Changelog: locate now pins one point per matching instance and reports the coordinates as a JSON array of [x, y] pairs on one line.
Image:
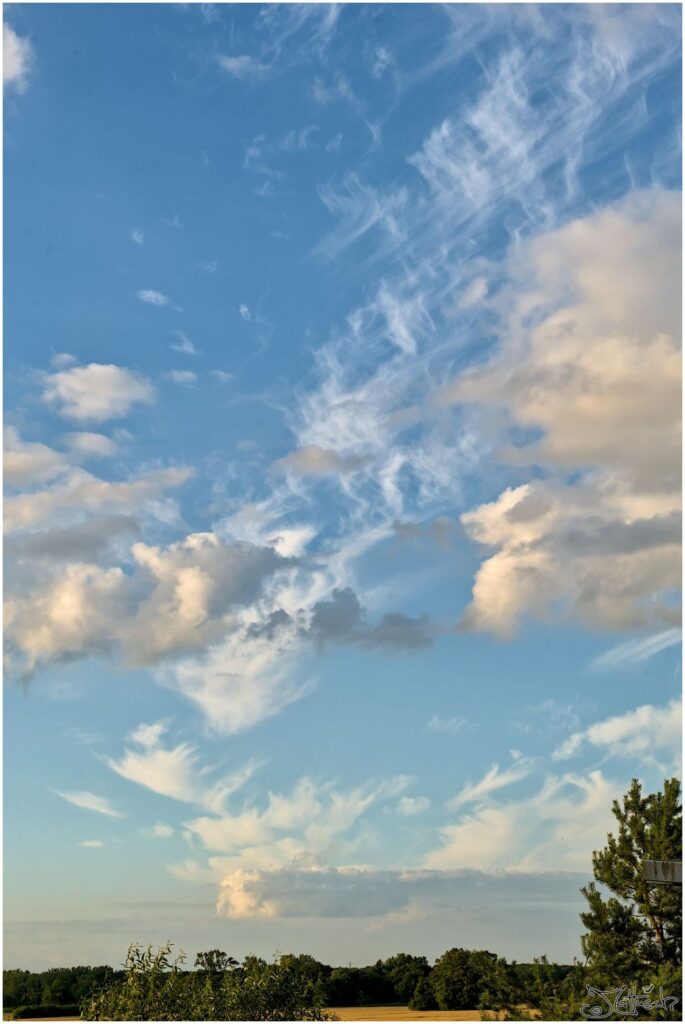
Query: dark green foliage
[[639, 926], [155, 987], [461, 976], [404, 972], [215, 961], [423, 997], [60, 986]]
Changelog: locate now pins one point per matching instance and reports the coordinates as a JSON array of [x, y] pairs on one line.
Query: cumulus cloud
[[91, 445], [93, 844], [597, 377], [81, 542], [89, 802], [96, 392], [646, 733], [353, 892], [17, 59], [81, 492], [178, 598], [29, 462], [137, 236]]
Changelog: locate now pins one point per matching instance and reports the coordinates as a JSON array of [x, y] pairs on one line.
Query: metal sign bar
[[663, 872]]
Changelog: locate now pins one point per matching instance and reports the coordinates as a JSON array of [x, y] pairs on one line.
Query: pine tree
[[638, 928]]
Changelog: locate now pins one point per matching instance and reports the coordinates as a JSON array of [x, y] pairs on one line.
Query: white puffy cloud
[[596, 378], [81, 493], [29, 462], [92, 844], [96, 392], [91, 445], [73, 615], [89, 802], [177, 599], [646, 733], [17, 58]]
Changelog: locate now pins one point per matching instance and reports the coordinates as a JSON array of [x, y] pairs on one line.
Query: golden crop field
[[389, 1013]]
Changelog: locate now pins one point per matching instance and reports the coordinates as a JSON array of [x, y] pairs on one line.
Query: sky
[[342, 452]]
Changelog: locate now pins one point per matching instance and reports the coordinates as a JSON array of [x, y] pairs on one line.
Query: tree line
[[632, 944]]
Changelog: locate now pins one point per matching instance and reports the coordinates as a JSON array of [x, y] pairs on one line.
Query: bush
[[423, 997], [155, 987]]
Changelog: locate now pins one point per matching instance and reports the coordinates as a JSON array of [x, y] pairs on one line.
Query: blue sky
[[342, 470]]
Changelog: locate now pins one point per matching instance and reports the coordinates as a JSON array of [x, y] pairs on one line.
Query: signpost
[[663, 872]]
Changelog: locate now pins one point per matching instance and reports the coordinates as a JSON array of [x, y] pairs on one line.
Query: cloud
[[597, 377], [81, 492], [158, 831], [89, 802], [493, 780], [179, 598], [96, 392], [448, 725], [316, 461], [408, 806], [341, 619], [359, 893], [634, 652], [93, 844], [185, 377], [359, 209], [153, 298], [88, 444], [297, 828], [18, 59], [184, 345], [29, 462], [74, 614], [137, 237], [552, 830], [645, 733], [81, 542], [243, 67]]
